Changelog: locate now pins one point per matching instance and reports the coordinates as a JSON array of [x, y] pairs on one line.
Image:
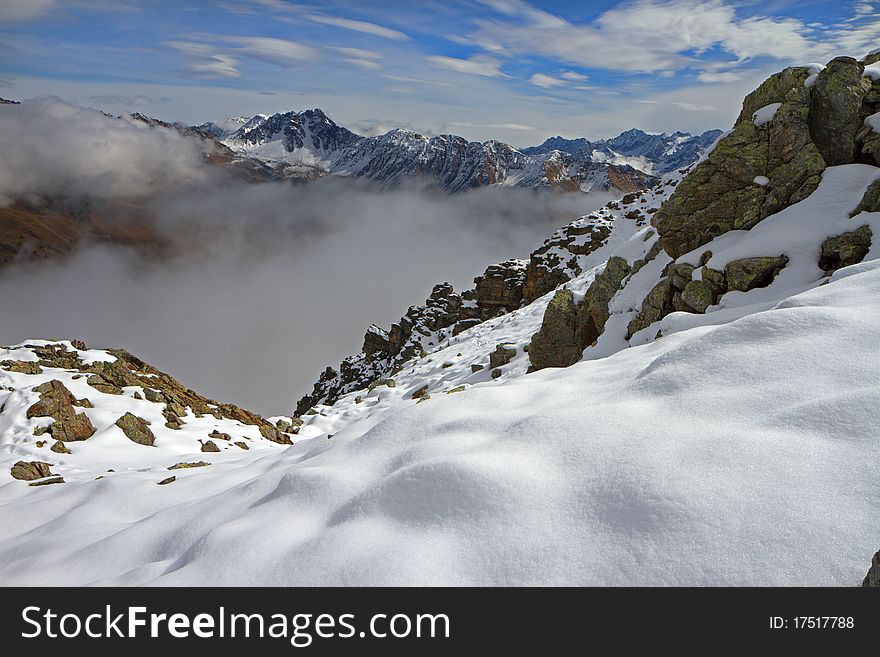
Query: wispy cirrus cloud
[[359, 26], [476, 65], [218, 56]]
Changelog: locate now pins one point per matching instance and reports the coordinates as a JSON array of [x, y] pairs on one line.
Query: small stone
[[241, 444], [193, 464], [219, 436], [476, 368], [60, 448], [167, 481], [503, 354], [154, 396], [456, 389], [210, 446], [496, 373], [421, 392]]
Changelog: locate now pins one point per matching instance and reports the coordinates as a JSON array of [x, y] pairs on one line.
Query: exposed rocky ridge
[[309, 144], [767, 163], [790, 129], [445, 313], [664, 152], [82, 398], [501, 289]]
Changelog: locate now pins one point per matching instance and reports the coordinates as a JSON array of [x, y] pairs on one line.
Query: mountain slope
[[703, 410]]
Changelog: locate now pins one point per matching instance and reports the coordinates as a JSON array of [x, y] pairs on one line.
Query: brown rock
[[31, 470], [136, 429]]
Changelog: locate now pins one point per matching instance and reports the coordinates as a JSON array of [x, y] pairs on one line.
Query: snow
[[814, 70], [873, 71], [765, 114], [663, 478], [873, 122], [739, 449], [763, 181]]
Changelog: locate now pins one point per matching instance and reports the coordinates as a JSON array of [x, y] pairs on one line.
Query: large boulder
[[593, 311], [556, 344], [136, 429], [749, 273], [845, 250], [655, 306], [31, 470], [835, 109], [721, 193]]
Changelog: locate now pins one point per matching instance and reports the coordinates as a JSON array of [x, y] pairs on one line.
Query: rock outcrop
[[771, 140], [872, 579], [57, 402], [556, 344]]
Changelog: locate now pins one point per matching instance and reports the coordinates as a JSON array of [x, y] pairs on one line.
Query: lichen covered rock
[[592, 311], [845, 250], [719, 195], [136, 429], [556, 343], [749, 273], [835, 109]]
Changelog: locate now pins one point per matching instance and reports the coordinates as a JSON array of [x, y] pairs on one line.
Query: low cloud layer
[[266, 284], [55, 148]]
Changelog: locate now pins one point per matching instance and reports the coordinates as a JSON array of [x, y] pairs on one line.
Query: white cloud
[[24, 10], [478, 65], [366, 64], [573, 75], [493, 126], [359, 26], [358, 53], [276, 51], [204, 61], [663, 34], [710, 77], [405, 78], [546, 81]]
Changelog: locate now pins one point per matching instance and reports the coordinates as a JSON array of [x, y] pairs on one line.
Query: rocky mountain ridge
[[310, 144]]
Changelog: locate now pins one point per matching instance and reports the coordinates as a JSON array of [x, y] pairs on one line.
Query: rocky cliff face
[[791, 129]]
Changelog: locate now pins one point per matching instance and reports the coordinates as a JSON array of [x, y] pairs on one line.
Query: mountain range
[[309, 144]]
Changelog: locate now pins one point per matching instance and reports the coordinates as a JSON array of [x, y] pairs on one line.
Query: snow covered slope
[[690, 400]]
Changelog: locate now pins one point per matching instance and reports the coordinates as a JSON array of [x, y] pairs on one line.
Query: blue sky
[[507, 69]]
